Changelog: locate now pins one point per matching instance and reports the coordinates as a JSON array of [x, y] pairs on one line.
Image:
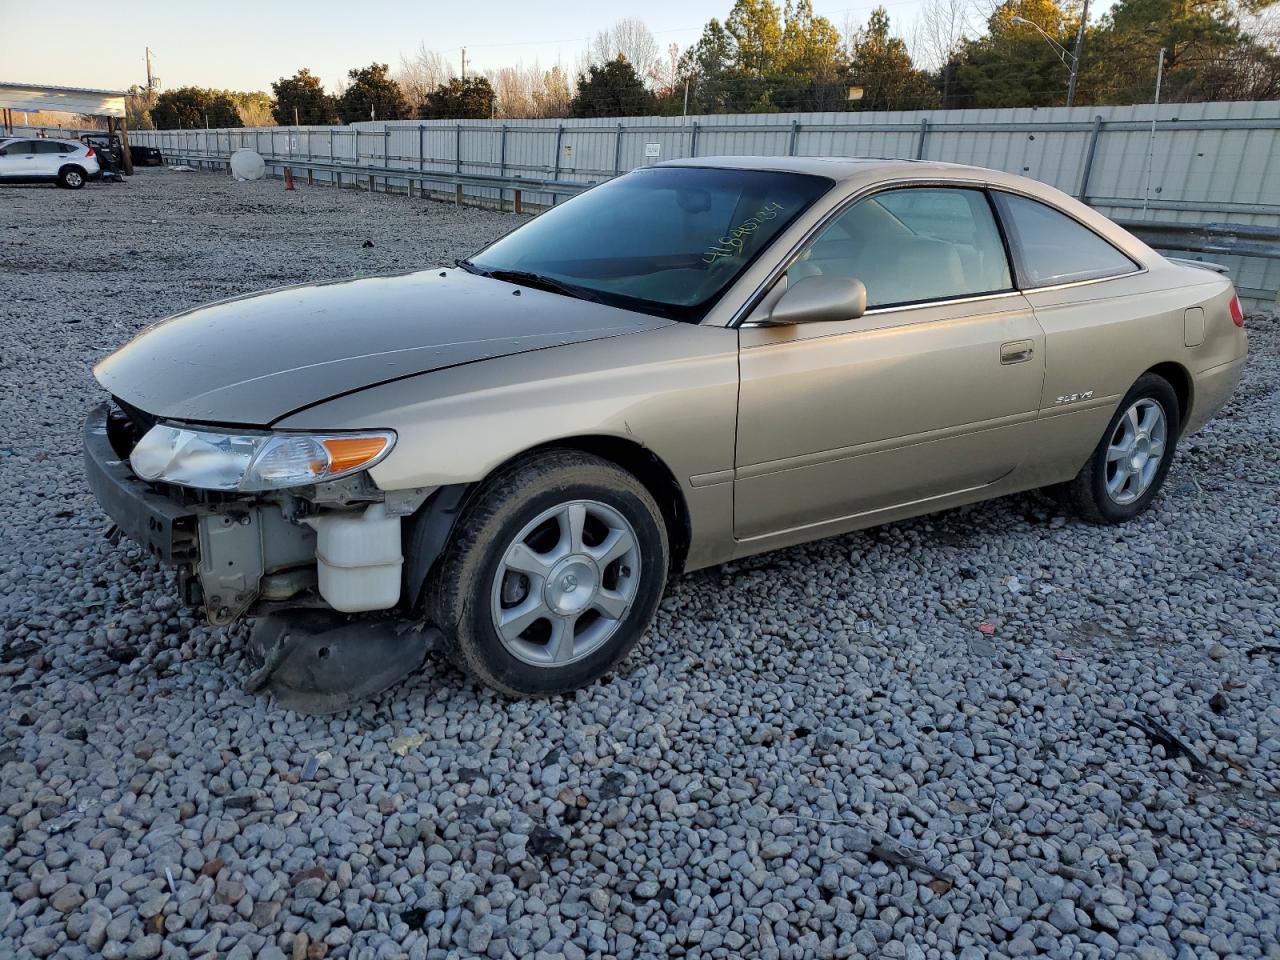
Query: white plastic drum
[[247, 164]]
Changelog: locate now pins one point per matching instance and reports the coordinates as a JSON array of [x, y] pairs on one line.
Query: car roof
[[852, 174], [49, 139], [861, 169]]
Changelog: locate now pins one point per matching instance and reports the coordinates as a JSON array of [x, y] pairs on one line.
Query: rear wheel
[[72, 178], [1130, 462], [554, 573]]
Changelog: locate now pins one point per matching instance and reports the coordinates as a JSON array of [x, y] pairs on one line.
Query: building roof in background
[[33, 96]]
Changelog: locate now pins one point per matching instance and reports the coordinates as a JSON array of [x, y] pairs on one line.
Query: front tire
[[1129, 464], [554, 572], [73, 178]]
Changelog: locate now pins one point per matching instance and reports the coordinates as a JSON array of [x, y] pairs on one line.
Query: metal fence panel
[[1201, 163]]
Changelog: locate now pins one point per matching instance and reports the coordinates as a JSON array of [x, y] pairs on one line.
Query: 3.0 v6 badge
[[1074, 397]]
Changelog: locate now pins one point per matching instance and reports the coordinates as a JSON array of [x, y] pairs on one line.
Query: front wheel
[[71, 177], [1131, 460], [553, 574]]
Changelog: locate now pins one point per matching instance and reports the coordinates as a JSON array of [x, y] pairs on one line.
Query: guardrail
[[1222, 239], [370, 174], [1155, 169]]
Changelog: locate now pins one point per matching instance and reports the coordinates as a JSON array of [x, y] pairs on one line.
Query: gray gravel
[[816, 753]]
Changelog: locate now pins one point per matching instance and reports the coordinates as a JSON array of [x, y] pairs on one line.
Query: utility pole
[[295, 116], [1151, 140], [1077, 54], [464, 63], [151, 82], [686, 97]]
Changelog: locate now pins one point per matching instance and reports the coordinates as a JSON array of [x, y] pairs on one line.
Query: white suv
[[67, 163]]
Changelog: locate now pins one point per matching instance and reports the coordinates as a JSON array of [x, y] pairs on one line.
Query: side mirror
[[819, 299]]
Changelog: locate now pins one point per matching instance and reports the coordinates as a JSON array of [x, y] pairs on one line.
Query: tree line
[[766, 58]]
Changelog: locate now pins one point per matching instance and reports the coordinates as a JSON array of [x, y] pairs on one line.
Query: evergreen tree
[[468, 99], [190, 108], [612, 89], [301, 99], [883, 68], [372, 95]]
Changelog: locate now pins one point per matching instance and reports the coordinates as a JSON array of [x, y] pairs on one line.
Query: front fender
[[672, 390]]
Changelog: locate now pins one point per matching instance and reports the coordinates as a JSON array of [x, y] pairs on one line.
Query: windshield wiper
[[527, 278]]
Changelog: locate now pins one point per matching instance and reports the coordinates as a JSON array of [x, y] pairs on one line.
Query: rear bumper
[[166, 529], [1213, 388]]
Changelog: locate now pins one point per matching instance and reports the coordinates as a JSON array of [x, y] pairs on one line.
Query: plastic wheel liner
[[320, 662]]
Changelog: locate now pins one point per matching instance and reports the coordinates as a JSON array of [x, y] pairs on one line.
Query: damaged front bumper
[[336, 545], [300, 559], [231, 552]]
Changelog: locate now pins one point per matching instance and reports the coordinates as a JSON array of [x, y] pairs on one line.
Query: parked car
[[67, 163], [692, 363]]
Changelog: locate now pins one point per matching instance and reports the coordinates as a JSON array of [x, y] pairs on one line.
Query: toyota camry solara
[[691, 363]]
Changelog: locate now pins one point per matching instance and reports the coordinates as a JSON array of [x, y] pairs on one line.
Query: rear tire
[[72, 178], [1130, 462], [554, 572]]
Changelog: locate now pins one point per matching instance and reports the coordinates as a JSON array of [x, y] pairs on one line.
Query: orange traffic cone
[[288, 179]]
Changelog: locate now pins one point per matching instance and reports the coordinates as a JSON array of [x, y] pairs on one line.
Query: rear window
[[1052, 248]]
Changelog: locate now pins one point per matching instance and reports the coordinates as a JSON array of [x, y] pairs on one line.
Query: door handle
[[1017, 351]]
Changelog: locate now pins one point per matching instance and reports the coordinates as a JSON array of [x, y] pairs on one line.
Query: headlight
[[211, 460]]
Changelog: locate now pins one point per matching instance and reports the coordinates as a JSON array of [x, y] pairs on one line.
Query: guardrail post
[[1089, 153], [457, 160], [519, 207], [337, 177], [693, 139], [422, 157], [502, 167], [791, 143], [924, 135], [556, 175], [617, 150], [386, 158]]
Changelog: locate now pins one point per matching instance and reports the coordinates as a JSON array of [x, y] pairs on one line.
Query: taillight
[[1237, 314], [90, 153]]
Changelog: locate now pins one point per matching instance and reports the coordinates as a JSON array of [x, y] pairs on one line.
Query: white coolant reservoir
[[358, 559]]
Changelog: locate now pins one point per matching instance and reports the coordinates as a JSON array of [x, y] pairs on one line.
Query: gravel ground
[[815, 753]]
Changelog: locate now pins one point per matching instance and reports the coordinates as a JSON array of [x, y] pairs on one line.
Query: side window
[[51, 146], [1051, 248], [912, 245], [19, 147]]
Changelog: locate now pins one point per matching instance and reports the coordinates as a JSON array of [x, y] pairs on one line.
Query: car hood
[[254, 359]]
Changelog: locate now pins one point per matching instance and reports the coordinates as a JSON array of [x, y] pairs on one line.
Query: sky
[[243, 45]]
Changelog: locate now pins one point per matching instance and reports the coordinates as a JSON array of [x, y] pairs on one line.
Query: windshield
[[664, 240]]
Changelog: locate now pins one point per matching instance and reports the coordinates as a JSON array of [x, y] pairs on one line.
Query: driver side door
[[932, 392]]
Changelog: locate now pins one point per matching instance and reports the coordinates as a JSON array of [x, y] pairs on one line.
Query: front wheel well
[[1177, 377], [649, 469], [428, 532]]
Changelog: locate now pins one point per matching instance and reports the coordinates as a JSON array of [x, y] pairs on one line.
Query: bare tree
[[939, 30], [664, 75], [629, 38], [420, 74], [555, 96], [254, 113], [530, 92]]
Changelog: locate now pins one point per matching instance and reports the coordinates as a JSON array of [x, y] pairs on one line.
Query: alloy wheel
[[1136, 448], [566, 583]]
